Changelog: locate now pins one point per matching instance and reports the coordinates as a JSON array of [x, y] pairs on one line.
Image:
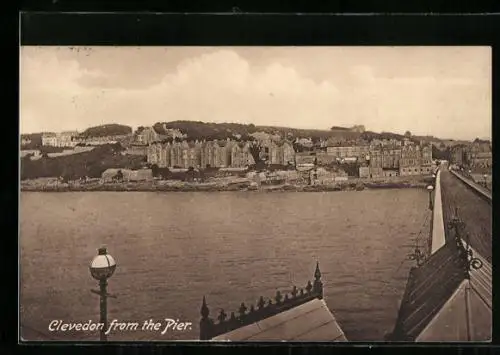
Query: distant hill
[[107, 130], [208, 130]]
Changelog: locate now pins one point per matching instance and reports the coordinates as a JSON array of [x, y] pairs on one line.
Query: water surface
[[232, 247]]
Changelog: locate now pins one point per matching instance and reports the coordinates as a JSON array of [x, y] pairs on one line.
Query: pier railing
[[263, 309], [478, 189]]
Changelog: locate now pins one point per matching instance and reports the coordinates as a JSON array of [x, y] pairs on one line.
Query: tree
[[155, 170], [255, 148], [407, 134], [119, 175]]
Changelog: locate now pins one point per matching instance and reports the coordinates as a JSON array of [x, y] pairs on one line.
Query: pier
[[448, 297]]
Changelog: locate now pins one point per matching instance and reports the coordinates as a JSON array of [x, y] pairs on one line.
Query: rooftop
[[311, 321], [301, 315], [448, 297]]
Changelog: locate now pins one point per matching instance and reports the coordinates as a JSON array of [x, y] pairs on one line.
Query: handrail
[[474, 186]]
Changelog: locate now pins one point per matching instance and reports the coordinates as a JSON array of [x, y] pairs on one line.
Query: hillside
[[107, 130], [208, 130], [74, 166]]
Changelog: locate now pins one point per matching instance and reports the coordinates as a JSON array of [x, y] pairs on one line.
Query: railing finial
[[318, 285], [204, 309], [317, 272]]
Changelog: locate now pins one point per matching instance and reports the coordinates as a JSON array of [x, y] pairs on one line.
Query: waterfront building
[[281, 153], [208, 154], [241, 155], [193, 155], [159, 153], [176, 155], [415, 160]]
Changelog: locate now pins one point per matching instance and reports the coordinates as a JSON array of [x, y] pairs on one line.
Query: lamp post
[[102, 268], [430, 188]]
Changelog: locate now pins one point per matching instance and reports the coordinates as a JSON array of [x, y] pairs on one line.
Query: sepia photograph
[[255, 194]]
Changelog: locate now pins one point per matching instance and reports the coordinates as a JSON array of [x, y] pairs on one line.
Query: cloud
[[222, 86]]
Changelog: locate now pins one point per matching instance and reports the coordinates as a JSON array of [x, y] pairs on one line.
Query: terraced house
[[190, 154], [416, 160], [385, 160], [217, 153], [241, 155], [281, 153]]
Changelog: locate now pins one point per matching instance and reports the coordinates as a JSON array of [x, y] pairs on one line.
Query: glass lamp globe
[[103, 265], [430, 188]]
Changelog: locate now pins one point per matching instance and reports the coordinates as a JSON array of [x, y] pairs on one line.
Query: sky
[[440, 91]]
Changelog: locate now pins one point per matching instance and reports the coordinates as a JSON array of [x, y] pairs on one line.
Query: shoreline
[[138, 187]]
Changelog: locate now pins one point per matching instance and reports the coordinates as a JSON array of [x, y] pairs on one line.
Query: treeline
[[441, 154], [75, 166], [209, 131], [107, 130], [206, 130]]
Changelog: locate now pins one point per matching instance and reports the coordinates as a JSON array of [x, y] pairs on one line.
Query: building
[[349, 151], [25, 140], [100, 140], [241, 155], [281, 153], [159, 153], [479, 155], [147, 135], [195, 154], [305, 142], [415, 160], [364, 171], [61, 139], [384, 160], [33, 152], [127, 175], [376, 143], [458, 155], [193, 158]]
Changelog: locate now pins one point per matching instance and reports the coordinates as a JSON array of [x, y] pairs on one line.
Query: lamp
[[102, 267], [430, 188]]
